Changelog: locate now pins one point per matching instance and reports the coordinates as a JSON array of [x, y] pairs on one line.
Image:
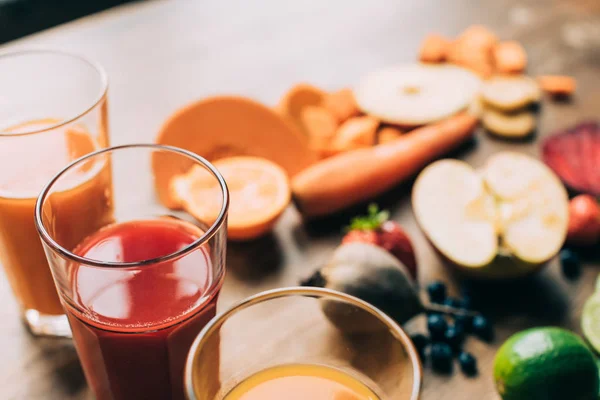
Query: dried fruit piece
[[320, 126], [342, 104], [355, 133], [510, 93], [509, 125], [416, 94], [510, 57], [478, 37], [473, 50], [575, 155], [387, 134], [557, 85], [434, 48], [296, 99]]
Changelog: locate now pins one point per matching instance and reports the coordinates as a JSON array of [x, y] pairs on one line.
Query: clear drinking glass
[[53, 109], [140, 278], [303, 326]]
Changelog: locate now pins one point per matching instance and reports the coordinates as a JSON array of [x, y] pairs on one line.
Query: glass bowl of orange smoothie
[[303, 343], [53, 109]]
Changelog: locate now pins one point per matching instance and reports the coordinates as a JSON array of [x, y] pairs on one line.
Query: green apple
[[505, 220]]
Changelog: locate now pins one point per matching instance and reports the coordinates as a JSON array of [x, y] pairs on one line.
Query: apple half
[[505, 220]]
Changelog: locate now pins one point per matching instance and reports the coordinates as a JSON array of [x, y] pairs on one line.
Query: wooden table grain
[[160, 55]]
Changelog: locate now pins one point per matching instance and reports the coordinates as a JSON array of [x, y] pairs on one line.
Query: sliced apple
[[505, 220]]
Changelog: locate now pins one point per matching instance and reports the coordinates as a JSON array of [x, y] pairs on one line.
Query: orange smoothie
[[301, 382], [27, 163]]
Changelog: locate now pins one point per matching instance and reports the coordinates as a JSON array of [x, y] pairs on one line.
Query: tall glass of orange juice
[[53, 109], [302, 343]]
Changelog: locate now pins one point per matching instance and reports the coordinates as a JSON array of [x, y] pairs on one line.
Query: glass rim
[[314, 292], [97, 100], [207, 235]]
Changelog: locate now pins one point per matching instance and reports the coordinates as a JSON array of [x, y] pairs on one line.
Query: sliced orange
[[227, 126], [259, 192]]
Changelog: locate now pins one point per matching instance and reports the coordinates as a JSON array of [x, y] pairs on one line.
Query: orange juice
[[27, 163], [301, 382]]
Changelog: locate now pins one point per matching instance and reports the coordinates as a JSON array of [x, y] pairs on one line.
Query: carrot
[[355, 176]]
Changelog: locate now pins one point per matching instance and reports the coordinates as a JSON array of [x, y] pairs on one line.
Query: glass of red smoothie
[[138, 287]]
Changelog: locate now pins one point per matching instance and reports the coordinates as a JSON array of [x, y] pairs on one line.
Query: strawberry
[[584, 220], [574, 155], [377, 229]]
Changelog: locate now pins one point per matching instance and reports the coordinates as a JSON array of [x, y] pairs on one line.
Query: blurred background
[[22, 17]]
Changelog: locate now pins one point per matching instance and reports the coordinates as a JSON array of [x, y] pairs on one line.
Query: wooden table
[[160, 55]]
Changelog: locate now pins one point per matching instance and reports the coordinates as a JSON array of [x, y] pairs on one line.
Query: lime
[[546, 364], [590, 321], [598, 365]]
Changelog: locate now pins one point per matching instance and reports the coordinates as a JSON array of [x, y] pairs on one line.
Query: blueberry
[[466, 303], [421, 342], [482, 327], [468, 363], [437, 292], [437, 325], [441, 357], [452, 302], [465, 322], [454, 337], [571, 266]]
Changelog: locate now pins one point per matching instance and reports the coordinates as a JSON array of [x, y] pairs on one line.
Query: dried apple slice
[[516, 125], [509, 93], [416, 94], [504, 221]]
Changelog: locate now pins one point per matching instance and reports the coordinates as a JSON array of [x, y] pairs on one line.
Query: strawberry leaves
[[370, 222]]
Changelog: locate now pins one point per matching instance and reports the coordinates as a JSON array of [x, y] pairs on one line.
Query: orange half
[[259, 192]]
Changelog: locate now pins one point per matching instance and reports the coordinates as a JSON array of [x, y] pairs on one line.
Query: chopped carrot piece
[[557, 85]]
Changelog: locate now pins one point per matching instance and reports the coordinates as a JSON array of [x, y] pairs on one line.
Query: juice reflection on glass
[[138, 289], [52, 111], [279, 344]]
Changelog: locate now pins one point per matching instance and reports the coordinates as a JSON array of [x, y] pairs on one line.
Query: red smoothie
[[138, 324]]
